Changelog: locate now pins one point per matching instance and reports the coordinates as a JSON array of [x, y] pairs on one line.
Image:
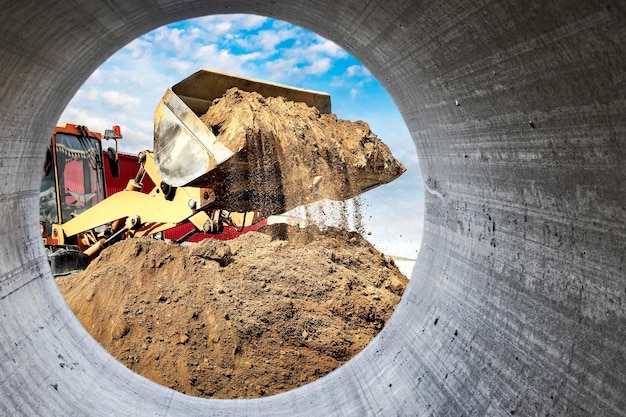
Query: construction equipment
[[188, 166], [72, 182], [77, 217]]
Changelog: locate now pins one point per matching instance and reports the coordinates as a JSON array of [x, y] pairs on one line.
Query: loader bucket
[[185, 149]]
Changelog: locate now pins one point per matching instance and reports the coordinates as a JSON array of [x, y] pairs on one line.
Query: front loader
[[189, 167]]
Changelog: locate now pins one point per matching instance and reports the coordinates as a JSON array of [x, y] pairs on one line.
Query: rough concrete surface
[[517, 303]]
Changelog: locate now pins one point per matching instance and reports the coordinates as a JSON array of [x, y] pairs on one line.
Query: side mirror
[[114, 163], [115, 134], [47, 167]]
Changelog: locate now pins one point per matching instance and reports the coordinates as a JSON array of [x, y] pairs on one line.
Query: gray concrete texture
[[517, 304]]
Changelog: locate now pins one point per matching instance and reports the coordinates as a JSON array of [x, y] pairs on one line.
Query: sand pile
[[261, 314], [290, 154]]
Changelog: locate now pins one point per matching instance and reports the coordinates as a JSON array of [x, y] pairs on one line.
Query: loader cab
[[73, 176]]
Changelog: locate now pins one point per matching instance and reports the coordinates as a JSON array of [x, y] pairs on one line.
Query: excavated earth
[[264, 313], [289, 154]]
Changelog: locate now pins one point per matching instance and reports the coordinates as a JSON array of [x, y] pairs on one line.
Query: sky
[[126, 89]]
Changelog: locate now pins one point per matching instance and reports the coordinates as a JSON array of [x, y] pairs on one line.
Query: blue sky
[[126, 89]]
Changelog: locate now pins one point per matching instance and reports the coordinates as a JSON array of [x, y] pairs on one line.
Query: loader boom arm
[[133, 213]]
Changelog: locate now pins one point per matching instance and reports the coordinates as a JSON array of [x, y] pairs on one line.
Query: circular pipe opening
[[139, 329], [532, 325]]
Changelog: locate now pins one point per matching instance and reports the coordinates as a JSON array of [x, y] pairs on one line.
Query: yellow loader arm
[[133, 213]]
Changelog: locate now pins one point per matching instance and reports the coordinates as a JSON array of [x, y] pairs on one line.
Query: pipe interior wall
[[517, 304]]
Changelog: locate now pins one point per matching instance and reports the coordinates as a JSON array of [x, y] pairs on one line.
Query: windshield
[[80, 174]]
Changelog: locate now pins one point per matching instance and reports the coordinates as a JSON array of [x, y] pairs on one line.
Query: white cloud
[[77, 115], [120, 100], [222, 27], [210, 56], [237, 22], [180, 66], [268, 40], [281, 68], [326, 47], [250, 21], [135, 140], [138, 48], [174, 39], [320, 66], [205, 52], [357, 71]]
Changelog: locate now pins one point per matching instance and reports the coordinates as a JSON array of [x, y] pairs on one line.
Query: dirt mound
[[289, 154], [261, 314]]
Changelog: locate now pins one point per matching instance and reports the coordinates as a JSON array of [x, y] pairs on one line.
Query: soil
[[261, 314], [289, 154]]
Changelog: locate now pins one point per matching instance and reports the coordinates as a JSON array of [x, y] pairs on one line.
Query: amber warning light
[[114, 133]]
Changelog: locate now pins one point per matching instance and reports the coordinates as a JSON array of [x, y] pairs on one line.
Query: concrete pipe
[[517, 304]]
